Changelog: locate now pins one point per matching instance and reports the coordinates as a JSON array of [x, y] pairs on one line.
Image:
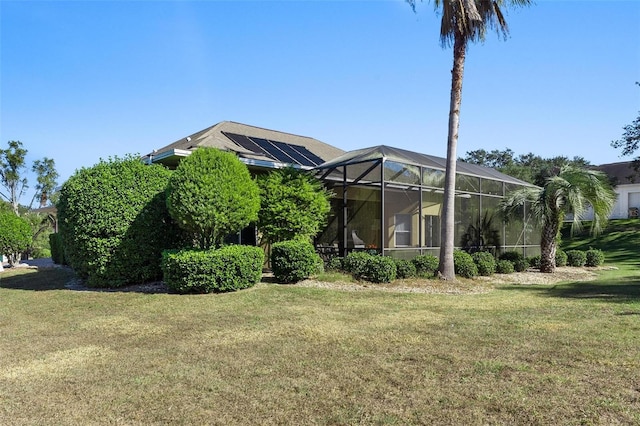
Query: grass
[[276, 354]]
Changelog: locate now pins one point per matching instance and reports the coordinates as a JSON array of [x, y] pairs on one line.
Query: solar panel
[[246, 143], [291, 152], [275, 152], [310, 155]]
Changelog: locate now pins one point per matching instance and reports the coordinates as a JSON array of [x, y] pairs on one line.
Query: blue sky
[[84, 80]]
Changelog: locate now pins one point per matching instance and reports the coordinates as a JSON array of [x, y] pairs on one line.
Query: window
[[403, 230]]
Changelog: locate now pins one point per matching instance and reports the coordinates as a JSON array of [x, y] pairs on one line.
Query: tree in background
[[572, 191], [630, 139], [47, 177], [463, 21], [293, 204], [527, 167], [15, 236], [211, 195], [12, 163]]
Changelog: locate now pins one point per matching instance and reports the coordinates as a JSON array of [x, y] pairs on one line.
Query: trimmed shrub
[[464, 265], [229, 268], [355, 263], [561, 258], [335, 264], [405, 268], [211, 195], [57, 249], [294, 260], [504, 267], [114, 222], [534, 261], [576, 258], [380, 269], [485, 262], [520, 264], [594, 257], [426, 265]]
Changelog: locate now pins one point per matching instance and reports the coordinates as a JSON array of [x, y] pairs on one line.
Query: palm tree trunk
[[548, 247], [446, 268]]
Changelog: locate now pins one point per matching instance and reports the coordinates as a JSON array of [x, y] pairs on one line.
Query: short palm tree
[[463, 21], [572, 191]]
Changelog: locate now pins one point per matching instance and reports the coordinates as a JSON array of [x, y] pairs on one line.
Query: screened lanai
[[390, 200]]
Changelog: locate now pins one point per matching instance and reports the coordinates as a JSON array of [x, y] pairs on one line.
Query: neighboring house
[[626, 183], [386, 199]]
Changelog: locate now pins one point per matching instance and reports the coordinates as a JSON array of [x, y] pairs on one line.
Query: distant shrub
[[355, 263], [229, 268], [534, 261], [380, 269], [335, 264], [405, 268], [57, 249], [426, 265], [576, 258], [594, 257], [294, 260], [485, 262], [15, 235], [464, 265], [561, 258], [504, 267], [519, 262]]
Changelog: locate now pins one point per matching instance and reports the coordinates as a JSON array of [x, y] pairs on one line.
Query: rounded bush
[[380, 269], [520, 264], [576, 258], [464, 265], [293, 261], [229, 268], [355, 263], [594, 257], [561, 258], [114, 223], [426, 265], [534, 261], [335, 263], [405, 268], [485, 262], [504, 267]]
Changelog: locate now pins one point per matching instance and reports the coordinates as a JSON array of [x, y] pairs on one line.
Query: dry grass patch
[[285, 354]]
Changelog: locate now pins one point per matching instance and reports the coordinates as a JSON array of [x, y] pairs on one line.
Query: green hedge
[[464, 265], [380, 269], [504, 267], [520, 264], [594, 257], [114, 223], [426, 265], [576, 258], [294, 260], [229, 268], [485, 262], [405, 269], [355, 263], [561, 258], [57, 249]]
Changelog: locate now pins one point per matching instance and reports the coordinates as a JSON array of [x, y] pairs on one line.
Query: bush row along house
[[385, 199]]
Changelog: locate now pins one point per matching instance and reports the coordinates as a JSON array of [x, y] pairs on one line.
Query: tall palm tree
[[463, 21], [573, 191]]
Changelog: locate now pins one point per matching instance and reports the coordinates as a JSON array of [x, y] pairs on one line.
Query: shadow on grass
[[620, 290], [44, 279]]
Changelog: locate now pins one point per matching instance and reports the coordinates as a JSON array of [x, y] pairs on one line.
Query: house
[[626, 181], [386, 199]]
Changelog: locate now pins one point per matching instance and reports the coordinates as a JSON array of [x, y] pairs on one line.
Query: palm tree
[[463, 21], [573, 191]]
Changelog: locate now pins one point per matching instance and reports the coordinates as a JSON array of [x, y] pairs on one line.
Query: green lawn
[[275, 354]]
